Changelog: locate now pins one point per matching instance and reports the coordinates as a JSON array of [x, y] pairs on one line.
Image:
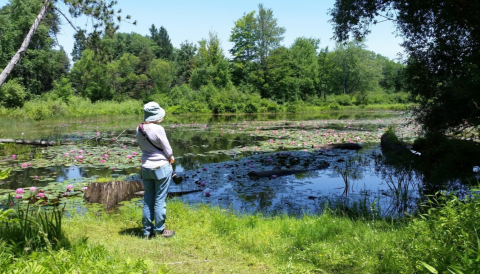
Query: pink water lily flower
[[33, 189], [41, 195], [14, 156], [19, 191], [69, 186], [24, 165], [129, 156], [84, 188]]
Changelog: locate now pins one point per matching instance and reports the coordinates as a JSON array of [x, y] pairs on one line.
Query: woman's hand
[[172, 160]]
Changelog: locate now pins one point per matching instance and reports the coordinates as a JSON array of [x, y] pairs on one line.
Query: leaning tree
[[101, 13], [442, 44]]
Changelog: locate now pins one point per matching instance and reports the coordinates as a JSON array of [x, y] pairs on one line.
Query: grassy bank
[[214, 240], [45, 108]]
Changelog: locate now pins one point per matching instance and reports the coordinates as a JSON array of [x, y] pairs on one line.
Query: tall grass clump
[[446, 238], [31, 229]]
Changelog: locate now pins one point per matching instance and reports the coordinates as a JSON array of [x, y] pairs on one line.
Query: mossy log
[[276, 172], [389, 144], [111, 193], [351, 146]]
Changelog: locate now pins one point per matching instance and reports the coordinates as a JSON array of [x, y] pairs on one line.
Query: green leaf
[[429, 268]]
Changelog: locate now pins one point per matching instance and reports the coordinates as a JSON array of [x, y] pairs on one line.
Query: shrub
[[62, 90], [343, 100], [161, 98], [79, 106], [334, 106], [37, 110], [250, 107], [12, 94], [400, 97]]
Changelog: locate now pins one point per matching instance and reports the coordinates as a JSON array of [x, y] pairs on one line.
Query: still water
[[216, 154]]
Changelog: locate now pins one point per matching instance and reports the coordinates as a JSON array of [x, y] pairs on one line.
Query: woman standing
[[157, 170]]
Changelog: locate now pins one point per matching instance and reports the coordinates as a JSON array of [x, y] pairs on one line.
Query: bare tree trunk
[[23, 48]]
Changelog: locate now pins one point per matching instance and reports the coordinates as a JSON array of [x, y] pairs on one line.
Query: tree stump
[[111, 193]]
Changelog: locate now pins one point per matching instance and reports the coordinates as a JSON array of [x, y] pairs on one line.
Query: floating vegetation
[[218, 156]]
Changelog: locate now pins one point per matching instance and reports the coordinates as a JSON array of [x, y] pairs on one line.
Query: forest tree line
[[195, 77]]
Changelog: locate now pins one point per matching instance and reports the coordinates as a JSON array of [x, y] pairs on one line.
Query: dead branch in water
[[351, 146]]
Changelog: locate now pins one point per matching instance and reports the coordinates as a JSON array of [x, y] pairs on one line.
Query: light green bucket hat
[[152, 112]]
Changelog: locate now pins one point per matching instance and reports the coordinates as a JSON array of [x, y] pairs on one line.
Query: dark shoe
[[149, 237], [177, 178], [167, 233]]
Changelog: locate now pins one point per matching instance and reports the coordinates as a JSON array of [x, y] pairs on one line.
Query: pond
[[217, 155]]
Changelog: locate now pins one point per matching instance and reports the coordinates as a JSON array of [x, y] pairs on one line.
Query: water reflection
[[26, 177], [364, 175], [351, 176]]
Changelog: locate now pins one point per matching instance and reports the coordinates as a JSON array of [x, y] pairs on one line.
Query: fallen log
[[276, 172], [33, 142], [351, 146]]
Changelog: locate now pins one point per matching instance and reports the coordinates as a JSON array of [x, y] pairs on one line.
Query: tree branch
[[386, 18], [70, 22]]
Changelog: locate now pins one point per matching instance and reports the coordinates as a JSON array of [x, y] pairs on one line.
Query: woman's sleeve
[[162, 138]]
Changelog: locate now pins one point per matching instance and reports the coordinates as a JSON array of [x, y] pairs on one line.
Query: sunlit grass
[[211, 240], [215, 240]]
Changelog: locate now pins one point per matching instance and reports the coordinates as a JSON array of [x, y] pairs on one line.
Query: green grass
[[214, 240], [105, 179]]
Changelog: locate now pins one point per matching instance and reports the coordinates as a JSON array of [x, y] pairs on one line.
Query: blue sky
[[193, 19]]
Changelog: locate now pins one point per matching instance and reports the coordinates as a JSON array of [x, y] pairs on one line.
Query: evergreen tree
[[166, 48], [269, 34], [79, 45], [185, 62], [162, 40]]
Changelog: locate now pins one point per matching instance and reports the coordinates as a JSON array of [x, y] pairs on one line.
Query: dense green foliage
[[262, 75], [442, 40]]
